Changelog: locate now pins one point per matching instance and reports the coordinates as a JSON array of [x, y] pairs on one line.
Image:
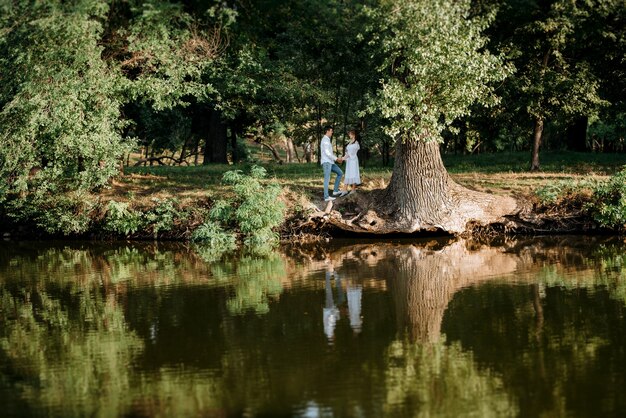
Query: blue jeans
[[328, 167]]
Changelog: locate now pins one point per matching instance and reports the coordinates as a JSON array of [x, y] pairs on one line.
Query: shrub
[[214, 235], [122, 220], [608, 206], [163, 216], [66, 214], [554, 192], [60, 112], [256, 208]]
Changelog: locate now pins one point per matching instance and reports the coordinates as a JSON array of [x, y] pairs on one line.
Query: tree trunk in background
[[534, 163], [290, 150], [233, 143], [196, 150], [237, 128], [308, 152], [295, 152], [385, 152], [183, 151], [577, 134], [319, 133], [273, 151], [147, 155], [216, 149]]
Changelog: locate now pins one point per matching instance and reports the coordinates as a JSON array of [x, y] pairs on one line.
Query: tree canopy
[[86, 82]]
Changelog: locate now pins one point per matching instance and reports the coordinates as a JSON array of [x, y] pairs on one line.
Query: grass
[[565, 162], [501, 173]]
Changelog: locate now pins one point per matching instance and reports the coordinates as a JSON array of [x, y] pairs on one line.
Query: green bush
[[255, 210], [243, 151], [164, 215], [121, 219], [608, 206], [212, 234], [66, 214], [553, 192], [60, 113]]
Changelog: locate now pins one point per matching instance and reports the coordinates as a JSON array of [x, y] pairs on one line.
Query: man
[[328, 160]]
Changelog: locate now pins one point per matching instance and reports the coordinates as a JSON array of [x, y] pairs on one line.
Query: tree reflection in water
[[431, 328], [423, 372]]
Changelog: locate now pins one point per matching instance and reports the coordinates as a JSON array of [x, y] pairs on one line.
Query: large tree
[[59, 101], [553, 80], [435, 68]]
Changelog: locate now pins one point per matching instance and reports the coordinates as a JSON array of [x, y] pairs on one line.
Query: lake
[[431, 327]]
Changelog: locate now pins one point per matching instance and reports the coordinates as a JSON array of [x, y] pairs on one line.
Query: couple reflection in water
[[351, 294], [421, 279]]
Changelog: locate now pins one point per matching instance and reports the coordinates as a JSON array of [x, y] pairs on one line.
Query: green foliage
[[259, 280], [609, 133], [168, 55], [212, 234], [256, 208], [121, 219], [608, 206], [549, 82], [415, 372], [551, 192], [435, 66], [244, 154], [163, 216], [59, 100], [65, 214], [558, 190]]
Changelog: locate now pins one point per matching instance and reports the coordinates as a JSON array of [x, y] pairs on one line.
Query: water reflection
[[424, 328]]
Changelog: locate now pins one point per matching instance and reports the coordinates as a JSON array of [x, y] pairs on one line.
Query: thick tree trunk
[[577, 134], [419, 184], [233, 144], [422, 197], [534, 160], [216, 149]]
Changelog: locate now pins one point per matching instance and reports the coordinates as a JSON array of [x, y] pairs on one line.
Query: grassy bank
[[167, 202], [502, 173]]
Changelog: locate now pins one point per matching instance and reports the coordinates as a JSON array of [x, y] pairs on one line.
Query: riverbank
[[170, 203]]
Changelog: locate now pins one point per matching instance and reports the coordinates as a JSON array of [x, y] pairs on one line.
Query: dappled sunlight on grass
[[502, 173], [551, 162]]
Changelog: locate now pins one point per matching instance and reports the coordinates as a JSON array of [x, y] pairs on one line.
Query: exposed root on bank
[[476, 215], [362, 213]]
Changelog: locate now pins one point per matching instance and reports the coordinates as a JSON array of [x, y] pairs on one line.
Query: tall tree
[[554, 81], [60, 124], [435, 68]]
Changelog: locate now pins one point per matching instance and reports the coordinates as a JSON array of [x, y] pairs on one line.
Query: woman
[[352, 176]]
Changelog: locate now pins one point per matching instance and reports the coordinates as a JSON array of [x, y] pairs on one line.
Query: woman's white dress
[[352, 164]]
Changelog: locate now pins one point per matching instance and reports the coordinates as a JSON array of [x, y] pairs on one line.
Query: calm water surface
[[369, 329]]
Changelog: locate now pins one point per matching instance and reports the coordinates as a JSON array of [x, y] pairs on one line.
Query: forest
[[91, 86]]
